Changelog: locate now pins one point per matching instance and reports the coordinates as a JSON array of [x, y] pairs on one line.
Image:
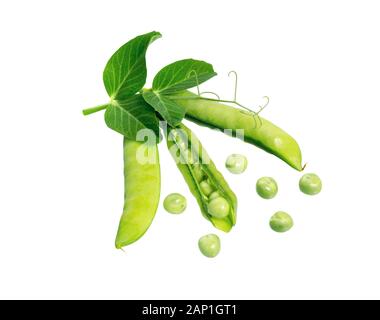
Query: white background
[[61, 182]]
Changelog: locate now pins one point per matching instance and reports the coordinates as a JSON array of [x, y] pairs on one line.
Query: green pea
[[214, 195], [236, 163], [206, 188], [198, 172], [266, 187], [219, 207], [175, 203], [281, 222], [310, 184], [209, 245], [188, 157]]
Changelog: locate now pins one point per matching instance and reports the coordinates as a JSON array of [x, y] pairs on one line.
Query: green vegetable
[[206, 188], [197, 170], [175, 203], [310, 184], [214, 195], [142, 191], [209, 245], [236, 163], [266, 187], [281, 222], [133, 110], [211, 179], [266, 136], [219, 207]]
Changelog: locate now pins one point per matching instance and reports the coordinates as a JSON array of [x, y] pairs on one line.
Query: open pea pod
[[264, 135], [204, 180]]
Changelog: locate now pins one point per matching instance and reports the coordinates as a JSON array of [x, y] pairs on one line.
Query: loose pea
[[175, 203], [214, 195], [310, 184], [236, 163], [219, 207], [209, 245], [266, 187], [281, 222], [206, 188]]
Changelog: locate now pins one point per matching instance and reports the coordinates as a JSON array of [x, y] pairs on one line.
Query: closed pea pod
[[262, 134], [142, 191], [204, 180]]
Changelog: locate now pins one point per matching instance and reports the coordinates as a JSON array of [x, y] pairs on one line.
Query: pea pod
[[201, 175], [142, 191], [266, 135]]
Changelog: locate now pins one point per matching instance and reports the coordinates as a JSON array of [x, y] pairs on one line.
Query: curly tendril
[[200, 95]]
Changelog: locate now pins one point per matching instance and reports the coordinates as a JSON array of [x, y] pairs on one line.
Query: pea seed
[[206, 188], [209, 245], [310, 184], [219, 207], [188, 156], [175, 203], [236, 163], [214, 195], [281, 222], [198, 172], [266, 187]]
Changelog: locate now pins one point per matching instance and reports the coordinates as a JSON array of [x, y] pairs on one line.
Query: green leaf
[[182, 75], [125, 72], [168, 109], [131, 115]]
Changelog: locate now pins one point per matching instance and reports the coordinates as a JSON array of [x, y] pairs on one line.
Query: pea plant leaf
[[168, 109], [182, 75], [125, 72], [131, 115]]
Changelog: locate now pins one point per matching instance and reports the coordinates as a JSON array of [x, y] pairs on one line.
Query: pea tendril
[[200, 96]]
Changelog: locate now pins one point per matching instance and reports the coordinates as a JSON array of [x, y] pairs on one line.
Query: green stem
[[101, 107]]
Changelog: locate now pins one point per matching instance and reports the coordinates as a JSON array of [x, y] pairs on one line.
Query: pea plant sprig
[[132, 108]]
